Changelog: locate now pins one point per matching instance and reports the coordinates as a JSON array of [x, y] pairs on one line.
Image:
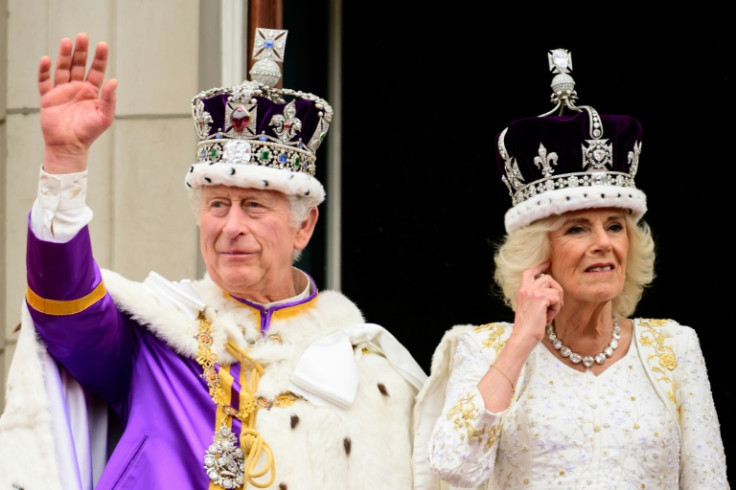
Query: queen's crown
[[557, 162]]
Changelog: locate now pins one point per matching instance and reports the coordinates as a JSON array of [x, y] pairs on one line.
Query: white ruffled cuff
[[60, 209]]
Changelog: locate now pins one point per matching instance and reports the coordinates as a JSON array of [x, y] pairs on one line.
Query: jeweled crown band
[[264, 153], [577, 179]]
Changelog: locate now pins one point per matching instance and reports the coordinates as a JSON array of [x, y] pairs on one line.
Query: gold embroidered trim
[[664, 355], [495, 331], [281, 313], [64, 307], [286, 313], [252, 442], [283, 400], [494, 434], [463, 414]]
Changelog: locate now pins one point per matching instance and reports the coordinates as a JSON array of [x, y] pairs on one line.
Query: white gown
[[569, 429]]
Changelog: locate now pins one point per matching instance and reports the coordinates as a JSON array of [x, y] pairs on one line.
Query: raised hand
[[75, 109], [538, 301]]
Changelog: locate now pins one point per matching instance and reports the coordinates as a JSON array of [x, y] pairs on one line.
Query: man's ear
[[304, 233]]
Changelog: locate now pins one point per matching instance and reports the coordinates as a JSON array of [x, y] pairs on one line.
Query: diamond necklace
[[576, 358]]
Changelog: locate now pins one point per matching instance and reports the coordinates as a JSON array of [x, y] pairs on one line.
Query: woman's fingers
[[553, 292], [555, 302], [540, 295]]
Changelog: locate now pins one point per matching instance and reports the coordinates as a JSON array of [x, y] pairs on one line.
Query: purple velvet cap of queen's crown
[[257, 136], [552, 164]]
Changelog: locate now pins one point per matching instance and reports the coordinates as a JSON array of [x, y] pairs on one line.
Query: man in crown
[[246, 378]]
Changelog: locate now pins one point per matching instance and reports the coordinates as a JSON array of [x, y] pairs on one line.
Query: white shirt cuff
[[60, 210]]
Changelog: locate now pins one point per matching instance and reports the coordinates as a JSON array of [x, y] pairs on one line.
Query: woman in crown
[[575, 393]]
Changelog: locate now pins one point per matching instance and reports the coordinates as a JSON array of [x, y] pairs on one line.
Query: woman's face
[[589, 254]]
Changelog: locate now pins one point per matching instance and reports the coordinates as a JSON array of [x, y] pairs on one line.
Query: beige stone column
[[142, 220]]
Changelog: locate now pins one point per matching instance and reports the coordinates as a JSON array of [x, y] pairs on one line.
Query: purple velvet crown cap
[[306, 113], [555, 164], [565, 135]]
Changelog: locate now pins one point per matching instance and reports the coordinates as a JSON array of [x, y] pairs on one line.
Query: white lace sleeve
[[702, 460], [463, 444]]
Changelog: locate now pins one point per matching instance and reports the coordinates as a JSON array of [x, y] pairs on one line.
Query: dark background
[[426, 89]]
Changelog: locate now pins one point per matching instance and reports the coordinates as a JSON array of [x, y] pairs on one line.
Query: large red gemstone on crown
[[239, 119]]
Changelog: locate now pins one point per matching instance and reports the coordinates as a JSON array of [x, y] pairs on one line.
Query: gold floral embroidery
[[668, 361], [495, 331], [464, 410], [463, 414], [493, 436], [653, 338]]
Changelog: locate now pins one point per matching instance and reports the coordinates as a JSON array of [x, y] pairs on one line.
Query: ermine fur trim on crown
[[563, 200], [256, 177]]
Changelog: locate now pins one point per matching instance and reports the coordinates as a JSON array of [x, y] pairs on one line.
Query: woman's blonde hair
[[530, 245]]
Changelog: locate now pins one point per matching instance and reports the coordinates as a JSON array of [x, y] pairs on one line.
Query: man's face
[[247, 241]]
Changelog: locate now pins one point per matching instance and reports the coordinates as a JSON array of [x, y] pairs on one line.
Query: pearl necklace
[[576, 358]]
